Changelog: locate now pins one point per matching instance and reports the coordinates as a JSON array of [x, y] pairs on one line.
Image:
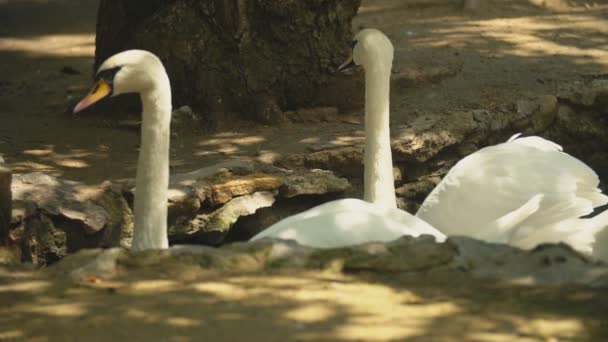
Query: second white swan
[[349, 222]]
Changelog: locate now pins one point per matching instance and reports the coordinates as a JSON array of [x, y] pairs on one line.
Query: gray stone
[[53, 217], [545, 265], [60, 197], [592, 93], [314, 182], [102, 267], [540, 110], [222, 220], [549, 264]]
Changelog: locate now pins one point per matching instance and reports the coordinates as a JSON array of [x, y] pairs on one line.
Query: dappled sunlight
[[27, 286], [54, 310], [57, 45], [348, 310], [49, 160], [533, 36], [153, 286], [9, 335], [305, 305], [182, 322]]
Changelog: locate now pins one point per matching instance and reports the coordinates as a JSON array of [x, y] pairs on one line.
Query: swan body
[[348, 222], [523, 192], [138, 71]]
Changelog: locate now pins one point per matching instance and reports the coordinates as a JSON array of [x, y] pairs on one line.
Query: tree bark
[[471, 5], [256, 57], [5, 201]]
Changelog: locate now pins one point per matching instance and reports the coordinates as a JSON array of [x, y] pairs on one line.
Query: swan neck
[[378, 168], [152, 180]]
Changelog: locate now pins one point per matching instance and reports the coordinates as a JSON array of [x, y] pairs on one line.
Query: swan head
[[132, 71], [370, 47]]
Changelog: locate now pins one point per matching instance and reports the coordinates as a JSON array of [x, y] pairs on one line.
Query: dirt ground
[[506, 51]]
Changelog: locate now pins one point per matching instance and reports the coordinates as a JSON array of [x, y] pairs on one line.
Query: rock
[[347, 161], [418, 190], [592, 93], [220, 221], [223, 56], [60, 197], [409, 77], [44, 243], [54, 216], [459, 256], [314, 182], [184, 118], [204, 204], [102, 267], [541, 110], [580, 126], [550, 264], [406, 254], [231, 187]]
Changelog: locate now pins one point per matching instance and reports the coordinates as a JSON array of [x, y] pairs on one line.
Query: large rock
[[545, 265], [257, 57], [205, 204], [53, 217], [592, 93]]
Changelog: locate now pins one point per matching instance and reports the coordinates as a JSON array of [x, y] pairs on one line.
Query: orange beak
[[100, 90]]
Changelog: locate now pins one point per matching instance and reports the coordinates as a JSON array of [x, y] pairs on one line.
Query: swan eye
[[353, 44], [108, 74]]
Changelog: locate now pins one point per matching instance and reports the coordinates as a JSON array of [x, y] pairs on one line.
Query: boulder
[[551, 264], [590, 93], [53, 217], [205, 204]]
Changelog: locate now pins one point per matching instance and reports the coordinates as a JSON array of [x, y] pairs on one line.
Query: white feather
[[348, 222], [522, 192]]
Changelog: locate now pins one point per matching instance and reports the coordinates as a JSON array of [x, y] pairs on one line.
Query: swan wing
[[348, 222], [478, 195]]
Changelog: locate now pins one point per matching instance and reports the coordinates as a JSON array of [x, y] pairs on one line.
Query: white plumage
[[523, 192], [141, 72], [350, 222]]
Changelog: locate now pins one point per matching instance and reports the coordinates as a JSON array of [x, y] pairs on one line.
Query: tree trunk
[[5, 201], [471, 5], [255, 57]]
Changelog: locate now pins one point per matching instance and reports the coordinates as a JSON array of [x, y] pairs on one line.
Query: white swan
[[137, 71], [349, 222], [523, 192]]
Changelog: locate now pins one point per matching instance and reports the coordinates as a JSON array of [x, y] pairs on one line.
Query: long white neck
[[152, 179], [378, 174]]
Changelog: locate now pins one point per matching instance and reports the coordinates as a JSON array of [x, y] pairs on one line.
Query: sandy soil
[[508, 50], [187, 303]]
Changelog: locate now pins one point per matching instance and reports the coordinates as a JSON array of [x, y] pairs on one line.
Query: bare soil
[[487, 59]]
